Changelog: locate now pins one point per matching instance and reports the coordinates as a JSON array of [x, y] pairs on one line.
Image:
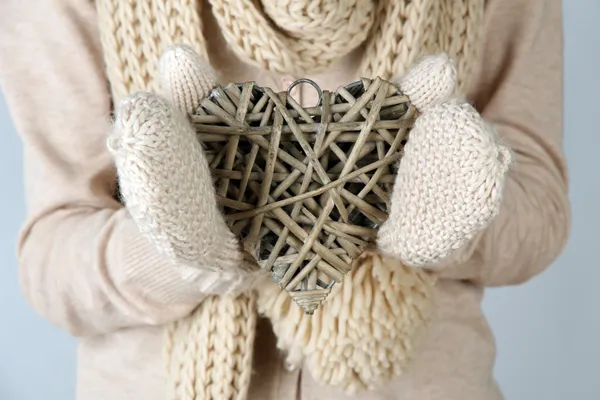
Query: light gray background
[[547, 330]]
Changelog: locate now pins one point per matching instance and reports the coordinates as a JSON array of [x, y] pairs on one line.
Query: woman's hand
[[165, 178], [450, 180]]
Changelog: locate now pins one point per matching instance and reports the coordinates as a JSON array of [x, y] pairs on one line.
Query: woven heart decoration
[[305, 189]]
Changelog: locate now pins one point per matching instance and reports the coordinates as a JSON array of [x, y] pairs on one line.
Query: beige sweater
[[85, 267]]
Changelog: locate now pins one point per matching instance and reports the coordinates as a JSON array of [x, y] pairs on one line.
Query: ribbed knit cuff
[[463, 262], [154, 283]]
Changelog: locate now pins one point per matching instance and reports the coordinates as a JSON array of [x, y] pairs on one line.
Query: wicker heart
[[305, 189]]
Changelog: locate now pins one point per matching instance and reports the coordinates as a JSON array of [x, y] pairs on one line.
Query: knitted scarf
[[208, 355]]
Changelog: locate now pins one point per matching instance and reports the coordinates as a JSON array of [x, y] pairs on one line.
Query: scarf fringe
[[365, 332]]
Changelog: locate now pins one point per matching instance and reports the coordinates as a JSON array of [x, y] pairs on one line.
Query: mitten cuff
[[153, 282]]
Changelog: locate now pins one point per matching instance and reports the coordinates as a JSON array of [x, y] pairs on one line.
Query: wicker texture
[[305, 188]]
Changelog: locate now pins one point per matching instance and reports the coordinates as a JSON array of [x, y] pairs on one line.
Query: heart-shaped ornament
[[305, 189]]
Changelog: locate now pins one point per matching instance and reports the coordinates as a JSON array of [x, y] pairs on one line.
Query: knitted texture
[[134, 34], [431, 81], [308, 37], [320, 32], [186, 78], [395, 34], [166, 185], [208, 357], [404, 31], [449, 185], [365, 333]]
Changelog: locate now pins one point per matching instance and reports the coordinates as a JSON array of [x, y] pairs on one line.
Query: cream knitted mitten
[[165, 178], [450, 180]]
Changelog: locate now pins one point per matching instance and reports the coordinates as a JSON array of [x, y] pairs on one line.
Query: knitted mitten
[[166, 183], [450, 180], [165, 178]]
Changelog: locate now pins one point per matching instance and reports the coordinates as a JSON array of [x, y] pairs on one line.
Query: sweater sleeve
[[84, 265], [519, 90]]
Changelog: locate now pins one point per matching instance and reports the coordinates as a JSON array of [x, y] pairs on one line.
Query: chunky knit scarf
[[208, 355]]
